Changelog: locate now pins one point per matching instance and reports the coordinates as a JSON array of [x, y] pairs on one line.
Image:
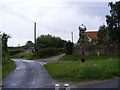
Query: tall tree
[[4, 42], [103, 34], [5, 56], [113, 21]]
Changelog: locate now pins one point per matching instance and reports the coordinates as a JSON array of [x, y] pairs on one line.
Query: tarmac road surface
[[32, 74], [28, 74]]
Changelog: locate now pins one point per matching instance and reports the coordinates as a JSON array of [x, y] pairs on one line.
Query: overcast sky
[[55, 17]]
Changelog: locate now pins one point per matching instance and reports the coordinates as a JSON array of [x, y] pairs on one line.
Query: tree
[[4, 42], [5, 55], [83, 39], [113, 21], [46, 41], [103, 34]]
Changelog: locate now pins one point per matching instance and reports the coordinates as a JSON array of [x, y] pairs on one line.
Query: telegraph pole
[[72, 36], [35, 36]]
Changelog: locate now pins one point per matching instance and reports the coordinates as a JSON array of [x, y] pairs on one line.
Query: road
[[32, 74], [28, 74]]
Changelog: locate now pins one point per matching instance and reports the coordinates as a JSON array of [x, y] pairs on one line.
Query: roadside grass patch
[[70, 58], [90, 57], [22, 55], [0, 71], [7, 68], [77, 71]]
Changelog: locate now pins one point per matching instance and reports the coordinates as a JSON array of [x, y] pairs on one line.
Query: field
[[95, 68]]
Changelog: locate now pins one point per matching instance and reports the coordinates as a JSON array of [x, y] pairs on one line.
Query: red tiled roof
[[92, 35]]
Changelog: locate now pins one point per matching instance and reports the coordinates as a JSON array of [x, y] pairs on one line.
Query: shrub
[[13, 52], [48, 52]]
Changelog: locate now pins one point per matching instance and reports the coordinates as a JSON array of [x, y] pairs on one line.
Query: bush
[[48, 52], [68, 48]]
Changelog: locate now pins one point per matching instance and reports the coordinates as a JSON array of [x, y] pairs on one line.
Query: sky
[[55, 17]]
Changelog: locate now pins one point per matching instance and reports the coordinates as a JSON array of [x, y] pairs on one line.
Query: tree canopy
[[113, 21], [111, 32], [46, 41], [103, 34]]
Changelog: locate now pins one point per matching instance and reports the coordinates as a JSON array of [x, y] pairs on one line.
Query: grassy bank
[[0, 71], [22, 55], [7, 68], [32, 56], [95, 68]]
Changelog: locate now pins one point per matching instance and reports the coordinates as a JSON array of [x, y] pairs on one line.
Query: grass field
[[7, 68], [95, 68]]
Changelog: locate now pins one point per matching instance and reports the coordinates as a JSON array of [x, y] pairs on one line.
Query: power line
[[15, 13], [5, 9]]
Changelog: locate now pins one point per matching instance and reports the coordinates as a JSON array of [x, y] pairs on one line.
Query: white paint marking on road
[[27, 60], [42, 63]]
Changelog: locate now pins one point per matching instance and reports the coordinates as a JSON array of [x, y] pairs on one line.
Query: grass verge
[[90, 57], [96, 68], [22, 55], [7, 68]]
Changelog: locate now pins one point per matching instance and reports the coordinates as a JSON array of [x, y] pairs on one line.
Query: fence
[[93, 49]]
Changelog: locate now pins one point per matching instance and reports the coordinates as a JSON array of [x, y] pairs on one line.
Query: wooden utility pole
[[72, 36], [35, 36]]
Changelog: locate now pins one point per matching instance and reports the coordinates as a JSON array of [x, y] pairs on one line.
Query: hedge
[[68, 48], [49, 52], [13, 52]]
